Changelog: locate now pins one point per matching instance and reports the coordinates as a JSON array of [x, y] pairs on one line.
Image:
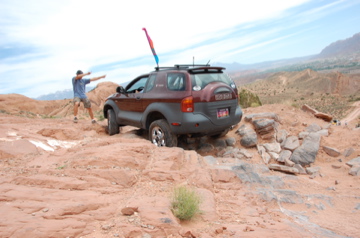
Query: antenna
[[208, 62], [193, 60]]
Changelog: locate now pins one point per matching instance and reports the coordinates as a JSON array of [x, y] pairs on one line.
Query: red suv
[[191, 100]]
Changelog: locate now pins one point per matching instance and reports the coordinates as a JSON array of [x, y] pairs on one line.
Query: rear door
[[215, 96]]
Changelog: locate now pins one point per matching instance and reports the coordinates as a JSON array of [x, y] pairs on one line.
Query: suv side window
[[176, 81], [137, 85], [151, 82]]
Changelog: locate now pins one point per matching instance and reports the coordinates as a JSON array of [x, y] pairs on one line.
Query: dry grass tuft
[[185, 203]]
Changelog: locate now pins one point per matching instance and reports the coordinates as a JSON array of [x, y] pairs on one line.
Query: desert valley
[[60, 179]]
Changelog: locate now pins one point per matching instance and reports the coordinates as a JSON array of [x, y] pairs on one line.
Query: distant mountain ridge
[[235, 67], [58, 95], [340, 53], [349, 46], [68, 93]]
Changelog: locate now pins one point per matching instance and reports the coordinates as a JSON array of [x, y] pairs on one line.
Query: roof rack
[[191, 65], [181, 66]]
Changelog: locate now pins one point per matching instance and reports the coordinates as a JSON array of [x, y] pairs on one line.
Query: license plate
[[223, 112]]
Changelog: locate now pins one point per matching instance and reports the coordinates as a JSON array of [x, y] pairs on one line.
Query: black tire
[[161, 135], [112, 126]]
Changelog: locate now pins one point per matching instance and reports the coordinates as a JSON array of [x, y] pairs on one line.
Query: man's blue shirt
[[79, 87]]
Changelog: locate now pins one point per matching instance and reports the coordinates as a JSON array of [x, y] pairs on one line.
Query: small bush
[[255, 104], [61, 167], [247, 98], [185, 203]]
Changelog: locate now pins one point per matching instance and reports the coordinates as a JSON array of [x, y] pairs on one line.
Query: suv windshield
[[199, 81]]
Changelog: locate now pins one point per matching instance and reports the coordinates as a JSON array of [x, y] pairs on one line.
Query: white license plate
[[223, 112]]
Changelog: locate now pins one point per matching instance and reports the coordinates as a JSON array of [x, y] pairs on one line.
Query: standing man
[[79, 93]]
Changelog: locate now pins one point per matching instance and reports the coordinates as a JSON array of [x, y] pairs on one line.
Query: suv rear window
[[200, 80]]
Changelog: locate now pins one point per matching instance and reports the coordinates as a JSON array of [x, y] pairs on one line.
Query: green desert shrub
[[185, 203], [255, 104], [247, 98]]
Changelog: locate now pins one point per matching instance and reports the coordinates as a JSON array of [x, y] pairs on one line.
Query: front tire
[[161, 135], [112, 127]]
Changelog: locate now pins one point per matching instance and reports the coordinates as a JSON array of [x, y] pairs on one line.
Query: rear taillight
[[187, 104], [236, 93]]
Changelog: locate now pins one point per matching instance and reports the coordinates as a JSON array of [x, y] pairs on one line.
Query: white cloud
[[59, 37]]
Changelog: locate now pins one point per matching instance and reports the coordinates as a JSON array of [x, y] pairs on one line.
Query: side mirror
[[120, 89]]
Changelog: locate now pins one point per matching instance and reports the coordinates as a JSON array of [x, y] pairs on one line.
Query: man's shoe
[[93, 121], [75, 120]]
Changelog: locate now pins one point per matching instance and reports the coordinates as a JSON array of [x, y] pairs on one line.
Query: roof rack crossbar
[[189, 65], [181, 66]]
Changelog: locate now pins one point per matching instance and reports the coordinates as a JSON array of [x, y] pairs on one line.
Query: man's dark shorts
[[86, 101]]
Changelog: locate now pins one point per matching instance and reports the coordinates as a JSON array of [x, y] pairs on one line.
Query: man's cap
[[79, 72]]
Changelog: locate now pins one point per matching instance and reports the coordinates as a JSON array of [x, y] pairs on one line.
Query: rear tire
[[112, 127], [161, 135]]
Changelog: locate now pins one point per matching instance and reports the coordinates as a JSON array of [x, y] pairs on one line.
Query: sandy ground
[[353, 115], [60, 179]]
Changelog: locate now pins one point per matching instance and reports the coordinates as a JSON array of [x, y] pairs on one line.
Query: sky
[[43, 43]]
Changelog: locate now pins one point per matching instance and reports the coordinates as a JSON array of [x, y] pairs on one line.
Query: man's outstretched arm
[[97, 78]]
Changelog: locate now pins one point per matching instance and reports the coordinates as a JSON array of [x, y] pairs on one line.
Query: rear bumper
[[198, 123]]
